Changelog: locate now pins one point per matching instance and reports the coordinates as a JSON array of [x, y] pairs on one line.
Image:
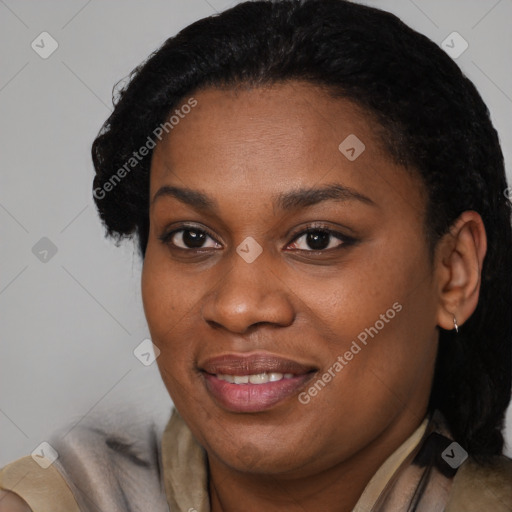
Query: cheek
[[371, 313], [157, 295], [354, 295], [167, 295], [167, 306], [172, 302]]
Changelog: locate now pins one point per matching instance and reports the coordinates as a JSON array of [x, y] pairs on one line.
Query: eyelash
[[346, 240]]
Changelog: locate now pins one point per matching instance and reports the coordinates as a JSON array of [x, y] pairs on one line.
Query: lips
[[253, 364], [254, 382]]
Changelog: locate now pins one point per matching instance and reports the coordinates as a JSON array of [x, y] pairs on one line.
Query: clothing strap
[[424, 480]]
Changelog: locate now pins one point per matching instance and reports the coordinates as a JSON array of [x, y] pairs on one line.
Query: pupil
[[193, 238], [318, 240]]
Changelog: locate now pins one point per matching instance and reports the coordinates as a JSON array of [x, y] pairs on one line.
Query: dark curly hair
[[432, 120]]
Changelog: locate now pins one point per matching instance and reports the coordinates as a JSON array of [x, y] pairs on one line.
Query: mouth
[[255, 378], [255, 382]]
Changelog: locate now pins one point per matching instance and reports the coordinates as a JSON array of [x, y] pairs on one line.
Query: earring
[[455, 326]]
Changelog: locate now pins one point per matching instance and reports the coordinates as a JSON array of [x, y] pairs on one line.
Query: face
[[287, 280]]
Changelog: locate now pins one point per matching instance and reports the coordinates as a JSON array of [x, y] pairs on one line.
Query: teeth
[[260, 378], [257, 378]]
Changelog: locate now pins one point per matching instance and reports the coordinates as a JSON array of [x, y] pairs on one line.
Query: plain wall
[[69, 325]]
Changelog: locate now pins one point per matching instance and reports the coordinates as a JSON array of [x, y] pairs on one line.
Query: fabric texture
[[122, 466], [42, 489], [109, 464]]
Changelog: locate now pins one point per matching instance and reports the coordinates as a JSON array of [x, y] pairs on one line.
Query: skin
[[242, 148]]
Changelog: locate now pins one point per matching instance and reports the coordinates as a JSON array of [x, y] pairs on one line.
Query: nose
[[249, 294]]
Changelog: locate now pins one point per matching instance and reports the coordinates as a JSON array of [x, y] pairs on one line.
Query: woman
[[318, 196]]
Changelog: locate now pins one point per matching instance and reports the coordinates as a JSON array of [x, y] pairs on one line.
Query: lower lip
[[253, 397]]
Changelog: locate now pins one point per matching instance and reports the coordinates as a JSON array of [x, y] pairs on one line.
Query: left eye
[[317, 240]]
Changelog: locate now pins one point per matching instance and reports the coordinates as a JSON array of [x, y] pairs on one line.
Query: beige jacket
[[109, 470]]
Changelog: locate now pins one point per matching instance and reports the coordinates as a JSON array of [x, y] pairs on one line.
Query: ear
[[459, 259]]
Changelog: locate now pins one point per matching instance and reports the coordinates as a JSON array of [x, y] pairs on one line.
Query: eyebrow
[[188, 196], [294, 199]]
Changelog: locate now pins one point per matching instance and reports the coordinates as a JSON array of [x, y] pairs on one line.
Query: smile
[[253, 382], [256, 378]]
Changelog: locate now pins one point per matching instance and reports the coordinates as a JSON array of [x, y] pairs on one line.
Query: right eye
[[189, 239]]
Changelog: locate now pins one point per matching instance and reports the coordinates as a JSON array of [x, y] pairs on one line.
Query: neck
[[336, 488]]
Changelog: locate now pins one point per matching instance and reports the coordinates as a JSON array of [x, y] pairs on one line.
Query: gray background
[[69, 325]]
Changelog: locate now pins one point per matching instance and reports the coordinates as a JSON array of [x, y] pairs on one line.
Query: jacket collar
[[185, 472]]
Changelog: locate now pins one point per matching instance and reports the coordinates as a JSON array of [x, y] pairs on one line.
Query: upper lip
[[250, 364]]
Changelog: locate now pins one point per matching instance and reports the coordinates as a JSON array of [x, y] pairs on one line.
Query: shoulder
[[40, 487], [107, 463], [479, 487]]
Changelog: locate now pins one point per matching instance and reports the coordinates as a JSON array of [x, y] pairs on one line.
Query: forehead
[[267, 139], [283, 122]]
